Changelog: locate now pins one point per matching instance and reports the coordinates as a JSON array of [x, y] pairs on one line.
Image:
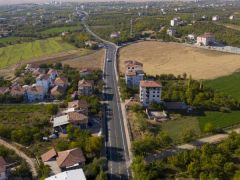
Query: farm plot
[[166, 58]]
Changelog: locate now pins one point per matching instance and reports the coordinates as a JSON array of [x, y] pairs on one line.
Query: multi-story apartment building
[[150, 91]]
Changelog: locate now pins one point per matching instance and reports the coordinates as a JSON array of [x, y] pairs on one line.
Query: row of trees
[[195, 93]]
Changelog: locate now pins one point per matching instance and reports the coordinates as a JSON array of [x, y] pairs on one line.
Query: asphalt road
[[113, 127], [116, 144]]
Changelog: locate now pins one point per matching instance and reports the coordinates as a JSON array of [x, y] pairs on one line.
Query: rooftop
[[76, 174], [78, 104], [60, 80], [70, 157], [148, 83], [85, 83], [48, 155], [76, 117]]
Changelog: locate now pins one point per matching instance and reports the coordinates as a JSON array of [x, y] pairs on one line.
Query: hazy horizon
[[4, 2]]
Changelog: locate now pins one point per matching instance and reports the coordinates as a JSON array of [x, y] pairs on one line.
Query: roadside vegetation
[[209, 162]]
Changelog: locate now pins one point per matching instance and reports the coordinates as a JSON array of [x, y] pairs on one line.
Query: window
[[153, 95]]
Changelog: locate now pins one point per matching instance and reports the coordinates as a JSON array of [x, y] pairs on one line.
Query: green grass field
[[17, 53], [219, 119], [58, 30], [175, 128], [14, 40], [22, 115], [227, 84]]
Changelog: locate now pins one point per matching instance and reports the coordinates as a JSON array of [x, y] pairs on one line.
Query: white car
[[108, 60]]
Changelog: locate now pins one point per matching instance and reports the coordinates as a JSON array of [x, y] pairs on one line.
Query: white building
[[133, 73], [133, 77], [171, 32], [232, 17], [191, 36], [206, 39], [173, 22], [215, 18], [115, 35], [76, 174], [35, 93], [44, 81], [53, 74], [150, 91]]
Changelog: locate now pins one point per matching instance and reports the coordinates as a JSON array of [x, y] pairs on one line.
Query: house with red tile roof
[[85, 88], [65, 160], [206, 39], [70, 159], [79, 106], [150, 91], [57, 91], [133, 73], [44, 81], [17, 90], [61, 81], [4, 90], [35, 93], [50, 155], [53, 74]]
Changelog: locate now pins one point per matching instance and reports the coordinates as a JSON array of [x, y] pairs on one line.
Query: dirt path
[[190, 146], [30, 161]]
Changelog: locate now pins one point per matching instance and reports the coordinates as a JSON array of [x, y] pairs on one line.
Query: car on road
[[108, 60]]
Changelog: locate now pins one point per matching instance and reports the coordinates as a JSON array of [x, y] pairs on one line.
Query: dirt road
[[30, 161], [190, 146]]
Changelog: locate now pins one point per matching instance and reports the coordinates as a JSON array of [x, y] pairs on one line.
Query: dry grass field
[[160, 58], [92, 61]]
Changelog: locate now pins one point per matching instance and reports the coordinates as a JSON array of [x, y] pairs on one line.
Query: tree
[[43, 171], [208, 127], [188, 135], [22, 171], [194, 169], [52, 109]]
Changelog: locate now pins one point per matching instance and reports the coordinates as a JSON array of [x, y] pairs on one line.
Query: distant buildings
[[177, 22], [115, 35], [133, 73], [171, 32], [44, 81], [232, 17], [215, 18], [206, 39], [150, 91], [191, 37], [174, 21]]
